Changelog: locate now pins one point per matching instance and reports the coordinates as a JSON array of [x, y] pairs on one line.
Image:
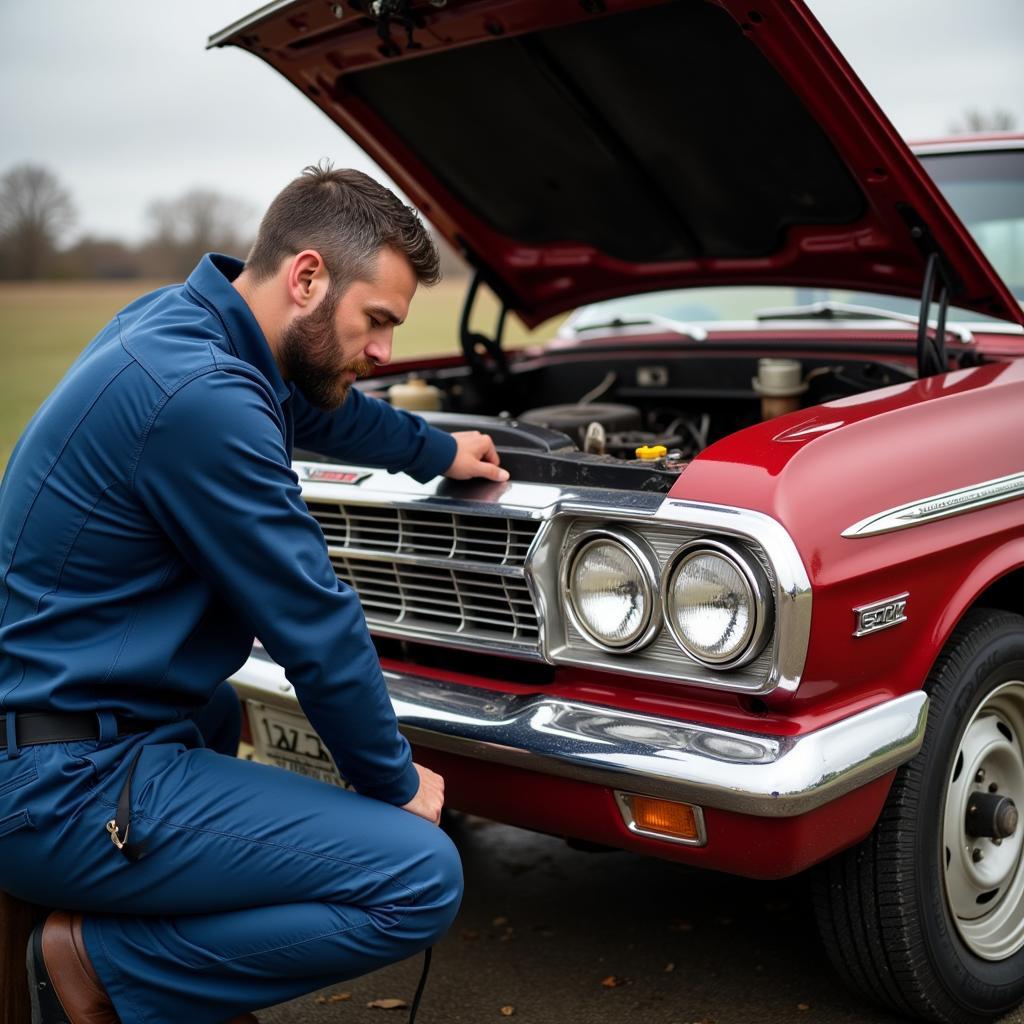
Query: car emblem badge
[[890, 611], [336, 476]]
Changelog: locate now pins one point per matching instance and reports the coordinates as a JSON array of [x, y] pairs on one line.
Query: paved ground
[[542, 926]]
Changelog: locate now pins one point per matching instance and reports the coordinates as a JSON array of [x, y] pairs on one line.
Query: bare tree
[[980, 121], [199, 221], [97, 257], [35, 212]]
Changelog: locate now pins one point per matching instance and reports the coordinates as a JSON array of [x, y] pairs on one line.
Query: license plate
[[286, 739]]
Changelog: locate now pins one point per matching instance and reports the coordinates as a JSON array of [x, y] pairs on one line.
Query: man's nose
[[379, 350]]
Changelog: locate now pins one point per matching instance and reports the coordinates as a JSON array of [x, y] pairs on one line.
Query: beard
[[312, 360]]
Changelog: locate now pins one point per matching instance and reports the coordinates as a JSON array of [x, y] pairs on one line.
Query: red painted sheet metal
[[877, 253], [819, 471], [737, 843]]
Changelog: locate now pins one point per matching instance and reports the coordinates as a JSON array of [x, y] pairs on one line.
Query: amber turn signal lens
[[664, 816]]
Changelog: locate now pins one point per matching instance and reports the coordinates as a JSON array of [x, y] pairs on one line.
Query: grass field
[[44, 325]]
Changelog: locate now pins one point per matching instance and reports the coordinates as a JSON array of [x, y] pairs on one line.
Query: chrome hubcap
[[984, 876]]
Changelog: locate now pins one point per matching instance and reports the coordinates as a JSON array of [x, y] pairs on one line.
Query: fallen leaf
[[613, 982], [669, 968], [339, 997], [321, 999], [469, 934], [388, 1004], [499, 921], [682, 926], [803, 1006], [507, 1011]]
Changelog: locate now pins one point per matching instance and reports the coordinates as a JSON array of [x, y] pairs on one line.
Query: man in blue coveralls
[[150, 527]]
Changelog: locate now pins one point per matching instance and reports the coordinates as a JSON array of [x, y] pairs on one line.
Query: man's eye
[[374, 323]]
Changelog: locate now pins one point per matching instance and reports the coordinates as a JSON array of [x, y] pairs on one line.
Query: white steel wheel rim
[[984, 877]]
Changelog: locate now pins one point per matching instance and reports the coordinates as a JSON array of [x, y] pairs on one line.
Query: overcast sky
[[123, 102]]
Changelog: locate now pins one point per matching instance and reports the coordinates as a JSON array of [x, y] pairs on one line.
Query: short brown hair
[[348, 218]]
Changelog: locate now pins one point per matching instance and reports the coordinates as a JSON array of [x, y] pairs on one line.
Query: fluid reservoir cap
[[779, 378], [416, 395], [658, 451]]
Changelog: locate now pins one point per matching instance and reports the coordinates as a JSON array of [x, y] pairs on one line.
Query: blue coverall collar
[[211, 281]]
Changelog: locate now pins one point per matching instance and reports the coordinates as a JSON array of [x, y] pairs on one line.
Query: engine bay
[[631, 421]]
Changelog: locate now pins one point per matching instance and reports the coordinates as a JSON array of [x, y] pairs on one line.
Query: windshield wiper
[[691, 331], [850, 311]]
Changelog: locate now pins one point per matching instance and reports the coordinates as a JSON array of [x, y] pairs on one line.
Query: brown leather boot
[[63, 985]]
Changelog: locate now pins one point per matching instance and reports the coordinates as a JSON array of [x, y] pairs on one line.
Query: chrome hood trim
[[747, 772]]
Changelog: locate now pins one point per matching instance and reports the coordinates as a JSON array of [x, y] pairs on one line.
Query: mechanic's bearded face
[[314, 357], [349, 332]]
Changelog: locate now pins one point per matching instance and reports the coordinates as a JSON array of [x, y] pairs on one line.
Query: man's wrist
[[435, 457], [399, 790]]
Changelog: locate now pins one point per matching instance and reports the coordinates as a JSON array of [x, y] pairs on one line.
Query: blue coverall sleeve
[[215, 475], [370, 432]]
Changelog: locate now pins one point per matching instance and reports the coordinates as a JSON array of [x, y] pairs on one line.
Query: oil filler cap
[[657, 451]]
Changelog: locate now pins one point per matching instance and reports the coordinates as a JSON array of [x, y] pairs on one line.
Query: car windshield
[[985, 188]]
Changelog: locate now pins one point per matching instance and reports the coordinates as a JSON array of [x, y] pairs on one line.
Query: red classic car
[[752, 599]]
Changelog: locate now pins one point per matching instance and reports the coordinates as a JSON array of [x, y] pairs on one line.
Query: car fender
[[822, 471]]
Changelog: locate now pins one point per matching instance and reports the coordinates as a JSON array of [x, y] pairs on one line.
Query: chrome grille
[[421, 532], [434, 575]]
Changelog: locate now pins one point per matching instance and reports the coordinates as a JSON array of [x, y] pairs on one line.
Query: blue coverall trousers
[[257, 885]]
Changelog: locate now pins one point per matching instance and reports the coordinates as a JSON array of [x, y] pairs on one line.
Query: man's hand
[[429, 798], [475, 455]]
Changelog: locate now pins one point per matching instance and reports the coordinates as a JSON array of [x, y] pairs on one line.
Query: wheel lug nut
[[980, 776], [977, 855], [992, 787]]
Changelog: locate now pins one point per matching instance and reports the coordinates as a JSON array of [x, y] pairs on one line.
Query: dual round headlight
[[716, 604], [611, 591], [714, 599]]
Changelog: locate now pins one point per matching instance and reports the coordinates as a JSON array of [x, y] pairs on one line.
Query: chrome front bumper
[[748, 772]]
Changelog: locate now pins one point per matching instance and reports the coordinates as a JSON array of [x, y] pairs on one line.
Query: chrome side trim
[[748, 772], [792, 586], [940, 506]]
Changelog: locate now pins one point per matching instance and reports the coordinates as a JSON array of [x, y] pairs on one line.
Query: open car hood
[[576, 150]]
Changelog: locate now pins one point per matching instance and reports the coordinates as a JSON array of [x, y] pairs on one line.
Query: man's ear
[[306, 279]]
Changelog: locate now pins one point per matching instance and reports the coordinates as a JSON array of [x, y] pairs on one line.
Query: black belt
[[50, 727]]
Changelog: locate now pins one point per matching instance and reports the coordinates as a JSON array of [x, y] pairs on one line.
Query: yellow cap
[[658, 451]]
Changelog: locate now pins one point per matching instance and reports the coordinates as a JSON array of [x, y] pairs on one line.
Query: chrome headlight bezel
[[750, 572], [644, 560]]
